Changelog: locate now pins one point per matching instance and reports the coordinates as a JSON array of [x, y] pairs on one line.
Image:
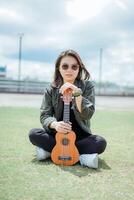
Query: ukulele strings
[[66, 119], [67, 135], [64, 135], [67, 146]]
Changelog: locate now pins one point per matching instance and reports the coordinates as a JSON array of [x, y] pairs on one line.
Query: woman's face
[[69, 69]]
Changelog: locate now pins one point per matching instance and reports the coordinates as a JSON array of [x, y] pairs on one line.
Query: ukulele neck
[[66, 113]]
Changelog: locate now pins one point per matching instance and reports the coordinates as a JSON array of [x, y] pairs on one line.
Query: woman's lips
[[69, 75]]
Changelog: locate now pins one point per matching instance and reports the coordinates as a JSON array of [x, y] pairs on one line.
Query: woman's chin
[[69, 80]]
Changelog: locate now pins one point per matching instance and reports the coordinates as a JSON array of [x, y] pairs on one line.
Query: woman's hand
[[68, 85], [61, 126], [75, 89]]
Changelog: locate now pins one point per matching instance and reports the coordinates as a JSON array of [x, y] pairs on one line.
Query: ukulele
[[65, 151]]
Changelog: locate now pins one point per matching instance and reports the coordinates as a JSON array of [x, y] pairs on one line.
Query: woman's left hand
[[66, 86]]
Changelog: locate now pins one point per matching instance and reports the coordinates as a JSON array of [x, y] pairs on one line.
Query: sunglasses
[[73, 67]]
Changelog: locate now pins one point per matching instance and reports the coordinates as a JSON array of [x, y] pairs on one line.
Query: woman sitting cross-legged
[[70, 73]]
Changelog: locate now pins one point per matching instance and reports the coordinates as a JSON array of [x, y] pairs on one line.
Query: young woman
[[70, 72]]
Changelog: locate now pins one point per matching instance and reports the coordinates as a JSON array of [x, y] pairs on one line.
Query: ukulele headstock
[[67, 96]]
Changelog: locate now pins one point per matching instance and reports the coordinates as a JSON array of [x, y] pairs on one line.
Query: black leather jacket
[[52, 106]]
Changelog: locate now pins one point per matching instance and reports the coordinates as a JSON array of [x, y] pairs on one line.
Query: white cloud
[[31, 70], [117, 65], [121, 4], [10, 15], [85, 9], [8, 44], [52, 26]]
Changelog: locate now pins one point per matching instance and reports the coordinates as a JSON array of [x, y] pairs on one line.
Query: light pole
[[100, 69], [20, 52]]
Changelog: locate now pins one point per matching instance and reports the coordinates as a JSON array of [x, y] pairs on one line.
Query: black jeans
[[88, 145]]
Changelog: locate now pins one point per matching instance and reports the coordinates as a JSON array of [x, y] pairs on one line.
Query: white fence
[[38, 87], [22, 86]]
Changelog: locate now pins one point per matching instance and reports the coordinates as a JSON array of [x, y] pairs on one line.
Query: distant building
[[3, 71]]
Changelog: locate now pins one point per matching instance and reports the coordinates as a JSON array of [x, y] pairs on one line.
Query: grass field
[[22, 177]]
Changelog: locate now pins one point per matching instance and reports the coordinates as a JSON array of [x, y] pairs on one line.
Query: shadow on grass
[[81, 171], [103, 164], [42, 162], [77, 169]]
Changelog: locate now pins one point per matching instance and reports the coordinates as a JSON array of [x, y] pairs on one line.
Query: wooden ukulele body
[[65, 151]]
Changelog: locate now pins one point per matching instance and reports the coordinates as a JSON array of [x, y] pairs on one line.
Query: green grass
[[22, 177]]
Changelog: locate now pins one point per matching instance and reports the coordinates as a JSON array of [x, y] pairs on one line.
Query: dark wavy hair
[[83, 74]]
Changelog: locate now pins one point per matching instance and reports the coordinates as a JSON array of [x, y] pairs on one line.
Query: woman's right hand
[[61, 126]]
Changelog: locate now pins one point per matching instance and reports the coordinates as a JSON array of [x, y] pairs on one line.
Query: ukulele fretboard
[[66, 113]]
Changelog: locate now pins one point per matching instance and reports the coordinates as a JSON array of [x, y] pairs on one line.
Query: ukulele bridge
[[65, 158]]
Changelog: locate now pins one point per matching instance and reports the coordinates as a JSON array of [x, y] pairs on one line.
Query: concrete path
[[32, 100]]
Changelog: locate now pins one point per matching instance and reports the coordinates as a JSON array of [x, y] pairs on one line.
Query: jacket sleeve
[[46, 110], [88, 102]]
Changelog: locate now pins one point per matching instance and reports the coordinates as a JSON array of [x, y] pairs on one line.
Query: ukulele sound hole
[[65, 141]]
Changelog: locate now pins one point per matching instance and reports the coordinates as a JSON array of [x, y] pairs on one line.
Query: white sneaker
[[42, 154], [89, 160]]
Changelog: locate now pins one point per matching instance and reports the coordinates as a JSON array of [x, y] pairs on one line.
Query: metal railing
[[38, 87], [22, 86]]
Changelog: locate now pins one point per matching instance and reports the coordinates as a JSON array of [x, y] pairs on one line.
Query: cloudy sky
[[51, 26]]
